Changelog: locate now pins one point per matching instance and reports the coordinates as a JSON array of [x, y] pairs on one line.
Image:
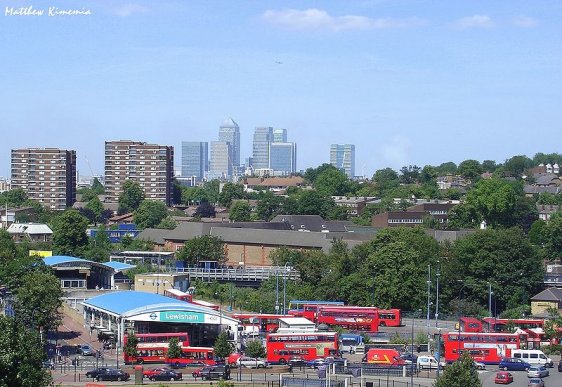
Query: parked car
[[479, 365], [197, 372], [296, 361], [536, 382], [409, 358], [85, 350], [215, 372], [537, 372], [560, 366], [150, 372], [513, 364], [429, 362], [113, 375], [251, 362], [166, 375], [534, 357], [95, 372], [503, 377], [316, 363]]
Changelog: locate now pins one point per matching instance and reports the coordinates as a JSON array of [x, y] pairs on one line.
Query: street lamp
[[438, 351], [287, 270], [428, 295], [412, 348], [219, 295], [437, 275], [490, 299], [395, 359], [277, 290]]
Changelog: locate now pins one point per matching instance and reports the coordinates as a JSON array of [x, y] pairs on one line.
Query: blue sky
[[408, 82]]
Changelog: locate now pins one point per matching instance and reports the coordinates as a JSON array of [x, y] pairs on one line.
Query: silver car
[[536, 382], [537, 372]]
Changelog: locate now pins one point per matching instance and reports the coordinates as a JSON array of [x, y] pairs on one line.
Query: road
[[520, 378]]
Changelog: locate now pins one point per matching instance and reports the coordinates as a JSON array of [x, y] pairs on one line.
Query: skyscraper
[[230, 132], [194, 159], [262, 137], [46, 175], [283, 158], [279, 135], [220, 166], [342, 156], [150, 165]]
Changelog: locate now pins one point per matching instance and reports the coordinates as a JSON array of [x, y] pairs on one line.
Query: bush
[[552, 349]]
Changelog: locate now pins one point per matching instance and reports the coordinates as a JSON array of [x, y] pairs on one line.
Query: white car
[[250, 362], [429, 362]]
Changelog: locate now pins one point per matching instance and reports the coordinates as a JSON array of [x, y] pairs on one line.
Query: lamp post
[[490, 299], [395, 359], [277, 290], [412, 348], [287, 270], [437, 275], [428, 295], [219, 295], [438, 351]]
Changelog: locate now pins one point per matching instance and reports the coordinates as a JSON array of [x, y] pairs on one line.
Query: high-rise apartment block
[[262, 137], [220, 166], [283, 158], [47, 175], [229, 132], [150, 165], [342, 156], [194, 159]]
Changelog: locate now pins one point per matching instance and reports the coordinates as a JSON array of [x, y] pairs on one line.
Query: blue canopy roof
[[119, 266], [58, 259]]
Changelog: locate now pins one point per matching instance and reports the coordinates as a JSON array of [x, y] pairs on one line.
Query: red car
[[197, 372], [154, 371], [503, 377]]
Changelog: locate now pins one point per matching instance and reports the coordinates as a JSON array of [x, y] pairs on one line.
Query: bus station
[[141, 312]]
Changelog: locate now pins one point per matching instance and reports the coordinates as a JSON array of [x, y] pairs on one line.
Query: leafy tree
[[447, 168], [428, 174], [212, 191], [470, 170], [174, 349], [268, 206], [332, 182], [69, 233], [38, 300], [8, 249], [516, 165], [131, 347], [150, 213], [167, 223], [313, 203], [15, 197], [461, 373], [223, 348], [230, 191], [87, 194], [97, 187], [409, 174], [22, 356], [255, 349], [311, 174], [99, 247], [551, 237], [206, 247], [240, 211], [96, 206], [536, 233], [205, 210], [386, 179], [494, 200], [131, 197], [489, 166]]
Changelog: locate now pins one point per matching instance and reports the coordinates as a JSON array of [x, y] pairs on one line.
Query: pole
[[412, 352], [284, 292], [490, 299], [428, 295], [438, 352], [277, 291], [437, 275]]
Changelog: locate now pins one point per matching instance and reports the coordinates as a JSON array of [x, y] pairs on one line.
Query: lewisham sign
[[178, 316]]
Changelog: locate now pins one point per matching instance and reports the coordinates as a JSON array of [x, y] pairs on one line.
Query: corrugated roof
[[119, 266], [272, 237], [155, 235], [58, 259], [29, 228], [189, 230]]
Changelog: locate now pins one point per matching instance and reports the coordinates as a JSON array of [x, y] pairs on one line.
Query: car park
[[503, 377], [95, 372], [215, 372], [166, 375], [537, 372], [150, 372], [536, 382], [113, 375], [513, 364], [251, 362]]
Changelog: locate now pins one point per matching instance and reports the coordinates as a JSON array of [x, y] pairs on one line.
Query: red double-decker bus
[[390, 317], [488, 348], [298, 308], [150, 346], [259, 322], [492, 324], [349, 317], [469, 324], [281, 347], [178, 295]]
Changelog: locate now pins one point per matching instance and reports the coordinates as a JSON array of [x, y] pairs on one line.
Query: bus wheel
[[139, 361], [282, 361], [177, 365]]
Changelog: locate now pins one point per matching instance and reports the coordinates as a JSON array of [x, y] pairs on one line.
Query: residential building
[[342, 156], [262, 137], [548, 298], [275, 184], [194, 159], [283, 158], [47, 175], [229, 131], [220, 166], [279, 135], [414, 215], [355, 205], [4, 184], [30, 232], [150, 165]]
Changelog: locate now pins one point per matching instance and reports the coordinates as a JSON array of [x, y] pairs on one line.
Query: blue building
[[115, 236]]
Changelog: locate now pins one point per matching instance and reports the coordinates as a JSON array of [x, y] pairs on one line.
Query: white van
[[532, 356], [429, 362]]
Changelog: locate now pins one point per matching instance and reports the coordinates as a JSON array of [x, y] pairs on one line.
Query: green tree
[[461, 373], [174, 349], [494, 200], [69, 233], [131, 197], [470, 170], [386, 179], [268, 206], [205, 210], [447, 168], [332, 182], [255, 349], [38, 300], [150, 213], [99, 247], [223, 348], [516, 165], [489, 166], [206, 247], [95, 205], [97, 187], [167, 223], [240, 211], [22, 356], [130, 348], [551, 236], [314, 203], [15, 197], [229, 192], [311, 174]]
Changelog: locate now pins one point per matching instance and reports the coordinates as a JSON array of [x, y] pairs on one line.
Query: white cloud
[[476, 21], [396, 151], [525, 21], [319, 19], [129, 9]]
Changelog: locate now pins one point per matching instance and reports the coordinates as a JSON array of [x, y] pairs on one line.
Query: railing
[[258, 273]]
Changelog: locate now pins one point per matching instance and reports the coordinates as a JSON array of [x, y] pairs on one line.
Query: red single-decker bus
[[390, 317]]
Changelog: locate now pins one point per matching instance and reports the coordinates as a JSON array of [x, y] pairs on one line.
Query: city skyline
[[409, 82]]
